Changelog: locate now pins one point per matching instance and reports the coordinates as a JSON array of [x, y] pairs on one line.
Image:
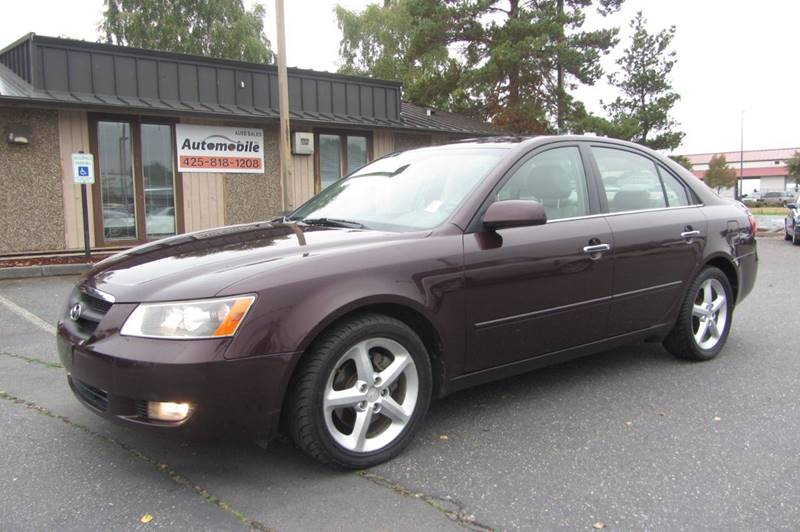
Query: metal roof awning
[[67, 73]]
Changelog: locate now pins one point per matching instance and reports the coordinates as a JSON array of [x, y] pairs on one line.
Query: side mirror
[[514, 213], [791, 206]]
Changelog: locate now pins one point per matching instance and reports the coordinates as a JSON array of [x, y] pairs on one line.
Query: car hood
[[205, 263]]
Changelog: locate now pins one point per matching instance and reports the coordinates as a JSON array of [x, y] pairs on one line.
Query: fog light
[[167, 411]]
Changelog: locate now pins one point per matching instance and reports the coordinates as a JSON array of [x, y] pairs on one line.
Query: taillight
[[753, 223]]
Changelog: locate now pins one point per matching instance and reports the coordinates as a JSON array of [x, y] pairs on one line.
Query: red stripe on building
[[752, 172]]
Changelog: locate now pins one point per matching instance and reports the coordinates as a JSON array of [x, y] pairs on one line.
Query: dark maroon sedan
[[423, 273]]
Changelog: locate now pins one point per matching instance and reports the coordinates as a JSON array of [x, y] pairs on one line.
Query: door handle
[[690, 234], [598, 248]]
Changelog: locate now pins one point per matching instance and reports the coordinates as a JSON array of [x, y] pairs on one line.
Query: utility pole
[[283, 104], [740, 184]]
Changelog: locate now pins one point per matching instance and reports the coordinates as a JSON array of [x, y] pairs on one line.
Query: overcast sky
[[733, 56]]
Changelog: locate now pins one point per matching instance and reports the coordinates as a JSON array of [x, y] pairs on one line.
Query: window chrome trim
[[606, 214]]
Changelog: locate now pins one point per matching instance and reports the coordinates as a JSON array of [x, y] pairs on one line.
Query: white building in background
[[764, 170]]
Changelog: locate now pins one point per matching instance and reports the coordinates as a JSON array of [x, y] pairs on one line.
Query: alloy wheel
[[709, 314], [370, 395]]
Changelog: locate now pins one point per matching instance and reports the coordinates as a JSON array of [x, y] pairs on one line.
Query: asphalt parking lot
[[631, 439]]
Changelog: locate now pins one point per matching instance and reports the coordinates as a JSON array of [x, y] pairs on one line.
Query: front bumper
[[115, 376]]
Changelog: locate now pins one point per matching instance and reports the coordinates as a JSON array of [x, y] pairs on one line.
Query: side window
[[555, 179], [631, 181], [676, 193]]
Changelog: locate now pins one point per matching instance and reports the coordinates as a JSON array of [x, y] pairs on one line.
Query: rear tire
[[360, 393], [705, 318]]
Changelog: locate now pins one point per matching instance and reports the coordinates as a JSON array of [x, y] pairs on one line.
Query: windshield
[[408, 191]]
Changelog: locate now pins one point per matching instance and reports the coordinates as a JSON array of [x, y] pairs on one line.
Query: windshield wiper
[[334, 222], [385, 174]]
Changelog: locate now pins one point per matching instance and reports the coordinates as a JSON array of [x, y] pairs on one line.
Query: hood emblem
[[75, 312]]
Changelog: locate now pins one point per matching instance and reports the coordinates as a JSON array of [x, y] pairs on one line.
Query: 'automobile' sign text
[[219, 149]]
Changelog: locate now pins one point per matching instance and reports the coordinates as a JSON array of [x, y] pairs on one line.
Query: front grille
[[94, 396], [96, 304], [93, 309]]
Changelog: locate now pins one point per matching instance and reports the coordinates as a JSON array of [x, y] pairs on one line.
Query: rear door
[[659, 234], [530, 291]]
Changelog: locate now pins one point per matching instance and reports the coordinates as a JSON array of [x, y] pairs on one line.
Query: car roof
[[521, 140]]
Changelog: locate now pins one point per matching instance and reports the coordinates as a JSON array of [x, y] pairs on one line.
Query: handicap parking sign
[[83, 168]]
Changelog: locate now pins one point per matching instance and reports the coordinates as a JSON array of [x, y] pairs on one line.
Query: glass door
[[117, 183], [137, 198], [159, 180]]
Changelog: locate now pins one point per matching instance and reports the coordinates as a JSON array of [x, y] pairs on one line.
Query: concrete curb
[[22, 272]]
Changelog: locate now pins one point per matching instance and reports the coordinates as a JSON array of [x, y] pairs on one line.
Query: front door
[[531, 291], [659, 234], [135, 197]]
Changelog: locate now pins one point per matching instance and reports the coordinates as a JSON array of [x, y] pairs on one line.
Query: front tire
[[705, 318], [360, 393]]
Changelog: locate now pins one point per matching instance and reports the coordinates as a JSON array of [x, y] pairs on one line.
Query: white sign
[[83, 168], [219, 149]]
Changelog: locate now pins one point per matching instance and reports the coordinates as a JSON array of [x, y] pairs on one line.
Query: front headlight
[[206, 318]]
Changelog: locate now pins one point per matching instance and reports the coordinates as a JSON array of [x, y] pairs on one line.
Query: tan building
[[761, 170], [179, 143]]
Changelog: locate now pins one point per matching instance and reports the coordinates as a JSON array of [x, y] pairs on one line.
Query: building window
[[136, 200], [340, 153], [117, 186], [158, 174]]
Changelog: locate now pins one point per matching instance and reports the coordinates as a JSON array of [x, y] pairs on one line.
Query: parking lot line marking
[[30, 316], [165, 468]]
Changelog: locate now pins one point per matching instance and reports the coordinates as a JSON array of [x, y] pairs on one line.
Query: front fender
[[425, 276]]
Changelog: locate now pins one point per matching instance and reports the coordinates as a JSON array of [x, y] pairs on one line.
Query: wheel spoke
[[360, 428], [394, 411], [343, 398], [395, 369], [708, 296], [702, 330], [712, 328], [718, 303], [699, 311], [360, 355]]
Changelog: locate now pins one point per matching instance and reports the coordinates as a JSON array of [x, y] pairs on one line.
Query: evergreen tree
[[512, 62], [682, 160], [642, 112]]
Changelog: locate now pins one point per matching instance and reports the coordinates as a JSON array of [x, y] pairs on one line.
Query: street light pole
[[741, 160], [283, 104]]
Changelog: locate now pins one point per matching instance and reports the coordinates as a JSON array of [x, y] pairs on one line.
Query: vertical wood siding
[[73, 133], [301, 187], [382, 143], [203, 201], [203, 194]]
